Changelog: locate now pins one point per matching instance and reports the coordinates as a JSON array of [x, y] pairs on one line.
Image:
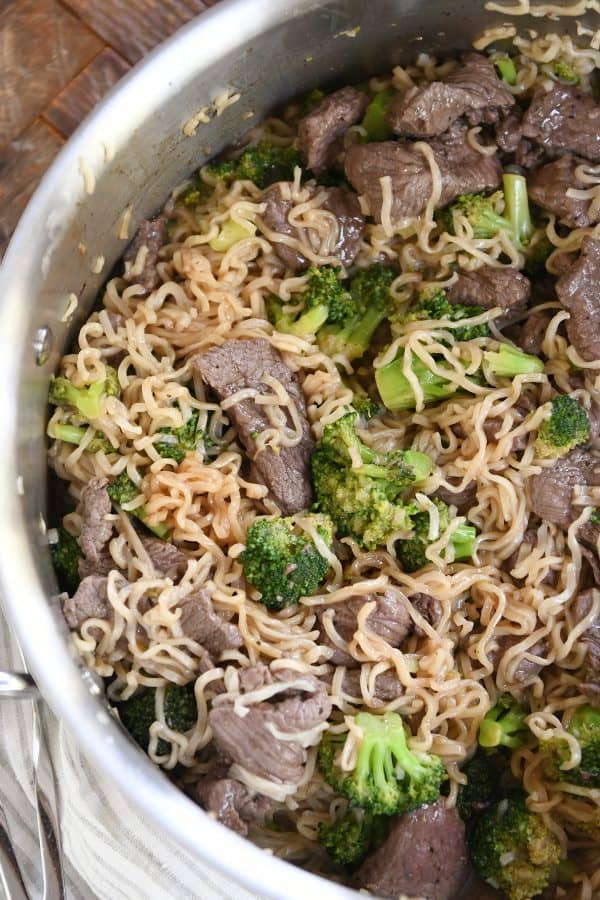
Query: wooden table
[[57, 59]]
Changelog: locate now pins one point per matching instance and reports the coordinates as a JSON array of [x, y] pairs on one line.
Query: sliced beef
[[102, 565], [551, 492], [564, 119], [508, 132], [548, 187], [582, 608], [232, 804], [388, 686], [96, 530], [200, 621], [429, 607], [151, 235], [526, 669], [165, 557], [339, 201], [424, 855], [326, 123], [532, 331], [578, 289], [462, 170], [239, 364], [492, 426], [90, 601], [462, 500], [489, 286], [390, 620], [472, 89]]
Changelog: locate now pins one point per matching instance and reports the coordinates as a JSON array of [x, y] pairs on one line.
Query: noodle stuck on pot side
[[331, 448]]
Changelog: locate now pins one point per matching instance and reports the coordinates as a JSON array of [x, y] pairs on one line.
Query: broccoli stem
[[463, 541], [308, 323], [374, 121], [70, 434], [506, 69], [396, 391], [508, 362], [516, 203]]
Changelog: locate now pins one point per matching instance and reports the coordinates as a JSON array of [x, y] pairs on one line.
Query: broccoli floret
[[484, 773], [506, 69], [311, 100], [86, 400], [585, 727], [124, 490], [263, 165], [65, 554], [508, 362], [504, 725], [365, 406], [281, 560], [72, 434], [561, 70], [566, 427], [439, 307], [537, 254], [389, 779], [179, 441], [138, 713], [480, 212], [370, 293], [325, 299], [365, 501], [350, 839], [411, 552], [512, 849], [374, 121], [595, 515]]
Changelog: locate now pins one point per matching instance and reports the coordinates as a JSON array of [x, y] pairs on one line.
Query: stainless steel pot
[[129, 153]]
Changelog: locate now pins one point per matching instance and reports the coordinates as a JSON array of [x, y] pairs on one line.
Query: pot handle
[[17, 686]]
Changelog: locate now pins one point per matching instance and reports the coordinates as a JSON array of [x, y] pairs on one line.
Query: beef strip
[[564, 118], [462, 170], [328, 122], [548, 187], [508, 131], [530, 335], [578, 289], [166, 558], [429, 607], [249, 741], [102, 565], [339, 201], [90, 601], [551, 492], [462, 500], [490, 286], [96, 530], [232, 804], [239, 364], [151, 234], [590, 685], [390, 620], [200, 621], [424, 855], [472, 89], [526, 669]]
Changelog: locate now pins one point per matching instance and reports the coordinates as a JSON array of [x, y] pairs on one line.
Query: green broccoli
[[561, 70], [567, 426], [263, 165], [72, 434], [312, 100], [411, 552], [350, 839], [281, 560], [325, 299], [374, 121], [439, 307], [480, 212], [396, 392], [123, 490], [389, 779], [595, 516], [179, 441], [86, 400], [365, 501], [484, 772], [138, 713], [373, 303], [512, 849], [65, 554], [585, 727], [365, 406], [506, 69], [538, 252], [504, 725]]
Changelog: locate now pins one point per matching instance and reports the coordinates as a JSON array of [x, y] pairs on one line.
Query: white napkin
[[110, 852]]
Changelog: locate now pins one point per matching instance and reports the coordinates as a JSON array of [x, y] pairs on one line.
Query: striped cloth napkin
[[110, 852]]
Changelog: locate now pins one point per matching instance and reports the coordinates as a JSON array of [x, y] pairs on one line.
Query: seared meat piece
[[548, 187], [166, 558], [524, 405], [578, 290], [564, 118], [462, 169], [390, 620], [102, 565], [388, 686], [462, 500], [429, 607], [526, 669], [96, 530], [551, 492], [232, 804], [424, 855], [151, 235], [508, 132], [472, 89], [327, 122], [240, 364], [581, 608], [532, 331], [489, 286], [203, 624], [90, 601], [338, 201]]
